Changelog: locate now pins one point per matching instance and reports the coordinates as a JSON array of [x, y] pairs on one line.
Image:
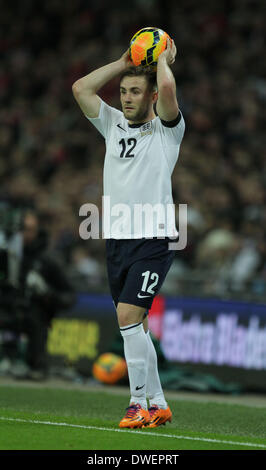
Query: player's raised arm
[[85, 89], [167, 105]]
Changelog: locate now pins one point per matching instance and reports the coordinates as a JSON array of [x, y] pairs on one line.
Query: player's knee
[[125, 318]]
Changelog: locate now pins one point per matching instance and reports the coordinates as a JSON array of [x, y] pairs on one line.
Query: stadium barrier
[[220, 337]]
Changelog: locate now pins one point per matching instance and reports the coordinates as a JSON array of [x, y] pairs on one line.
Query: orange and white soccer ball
[[146, 46], [109, 368]]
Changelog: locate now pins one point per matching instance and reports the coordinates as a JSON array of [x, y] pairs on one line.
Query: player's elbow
[[77, 88], [81, 89]]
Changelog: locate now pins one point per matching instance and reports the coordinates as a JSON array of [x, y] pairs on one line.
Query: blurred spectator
[[35, 289], [85, 268]]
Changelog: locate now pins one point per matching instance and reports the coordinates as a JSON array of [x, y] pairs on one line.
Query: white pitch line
[[140, 432]]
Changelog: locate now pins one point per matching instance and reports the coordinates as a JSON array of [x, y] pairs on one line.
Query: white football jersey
[[138, 165]]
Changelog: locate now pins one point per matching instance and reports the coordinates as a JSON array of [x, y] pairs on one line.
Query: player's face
[[136, 99]]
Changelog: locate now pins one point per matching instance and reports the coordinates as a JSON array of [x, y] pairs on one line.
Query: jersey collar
[[132, 126]]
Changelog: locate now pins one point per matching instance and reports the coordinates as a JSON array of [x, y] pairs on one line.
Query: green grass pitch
[[40, 418]]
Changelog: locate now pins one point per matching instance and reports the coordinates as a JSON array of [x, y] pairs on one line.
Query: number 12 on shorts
[[147, 277]]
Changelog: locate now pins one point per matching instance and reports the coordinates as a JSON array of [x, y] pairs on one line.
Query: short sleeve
[[107, 117], [174, 130]]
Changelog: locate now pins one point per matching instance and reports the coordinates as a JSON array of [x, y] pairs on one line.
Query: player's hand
[[170, 52], [125, 59]]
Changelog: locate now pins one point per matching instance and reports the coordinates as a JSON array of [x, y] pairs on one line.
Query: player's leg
[[154, 389], [159, 410], [139, 347], [130, 318], [130, 322], [141, 266]]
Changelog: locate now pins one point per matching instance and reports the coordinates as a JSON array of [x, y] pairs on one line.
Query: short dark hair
[[140, 71]]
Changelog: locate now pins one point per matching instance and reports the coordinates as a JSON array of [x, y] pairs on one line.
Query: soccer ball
[[109, 368], [146, 46]]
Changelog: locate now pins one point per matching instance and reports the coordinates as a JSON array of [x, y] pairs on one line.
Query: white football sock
[[136, 355], [154, 389]]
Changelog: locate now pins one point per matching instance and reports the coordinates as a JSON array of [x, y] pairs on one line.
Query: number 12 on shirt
[[128, 146]]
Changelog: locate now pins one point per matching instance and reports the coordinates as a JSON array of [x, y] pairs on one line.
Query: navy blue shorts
[[137, 268]]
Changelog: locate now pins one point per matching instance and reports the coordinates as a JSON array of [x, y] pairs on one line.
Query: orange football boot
[[135, 417], [158, 416]]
